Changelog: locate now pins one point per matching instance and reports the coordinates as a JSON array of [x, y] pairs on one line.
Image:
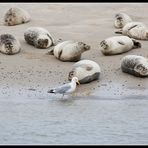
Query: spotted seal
[[38, 37], [16, 16], [118, 44], [9, 44], [121, 19], [85, 70], [136, 30], [135, 65], [69, 50]]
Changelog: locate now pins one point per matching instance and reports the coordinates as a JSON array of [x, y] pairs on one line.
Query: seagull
[[66, 88]]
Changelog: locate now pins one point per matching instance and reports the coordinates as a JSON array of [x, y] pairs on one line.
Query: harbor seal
[[69, 50], [121, 19], [118, 44], [135, 65], [136, 30], [85, 70], [16, 16], [9, 44], [38, 37]]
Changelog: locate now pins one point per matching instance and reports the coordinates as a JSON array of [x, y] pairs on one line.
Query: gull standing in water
[[66, 88]]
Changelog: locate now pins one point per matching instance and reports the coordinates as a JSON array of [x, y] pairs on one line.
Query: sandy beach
[[111, 110]]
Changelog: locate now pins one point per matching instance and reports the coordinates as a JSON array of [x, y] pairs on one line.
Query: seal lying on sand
[[69, 50], [135, 65], [9, 44], [121, 19], [136, 30], [38, 37], [85, 70], [118, 44], [16, 16]]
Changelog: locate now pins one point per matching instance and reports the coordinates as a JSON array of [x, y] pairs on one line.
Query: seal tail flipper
[[121, 43], [50, 50], [57, 41], [118, 31], [136, 44]]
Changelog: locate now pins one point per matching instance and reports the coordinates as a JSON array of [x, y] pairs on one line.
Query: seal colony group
[[83, 71]]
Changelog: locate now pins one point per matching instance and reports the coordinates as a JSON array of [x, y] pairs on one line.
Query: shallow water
[[73, 121]]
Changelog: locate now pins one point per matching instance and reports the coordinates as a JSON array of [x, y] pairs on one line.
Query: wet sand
[[112, 110]]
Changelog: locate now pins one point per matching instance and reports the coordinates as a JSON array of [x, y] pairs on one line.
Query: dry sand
[[91, 23]]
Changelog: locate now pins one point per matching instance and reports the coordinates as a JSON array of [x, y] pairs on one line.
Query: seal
[[38, 37], [118, 44], [69, 50], [85, 70], [121, 19], [136, 30], [135, 65], [9, 44], [16, 16]]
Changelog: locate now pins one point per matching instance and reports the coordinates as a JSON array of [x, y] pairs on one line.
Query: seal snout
[[142, 69], [43, 43], [71, 75], [9, 48], [103, 44]]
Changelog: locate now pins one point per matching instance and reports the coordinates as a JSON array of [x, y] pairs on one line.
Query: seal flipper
[[120, 42], [118, 31], [136, 44], [60, 53], [132, 27], [50, 50]]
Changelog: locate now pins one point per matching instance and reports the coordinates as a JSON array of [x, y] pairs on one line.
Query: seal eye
[[46, 42], [40, 42], [71, 75]]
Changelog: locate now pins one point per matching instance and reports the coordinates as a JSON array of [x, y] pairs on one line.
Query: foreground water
[[78, 120]]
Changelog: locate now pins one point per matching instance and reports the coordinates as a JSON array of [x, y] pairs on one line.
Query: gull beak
[[78, 82]]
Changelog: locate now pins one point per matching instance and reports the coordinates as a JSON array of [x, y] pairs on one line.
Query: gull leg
[[73, 94]]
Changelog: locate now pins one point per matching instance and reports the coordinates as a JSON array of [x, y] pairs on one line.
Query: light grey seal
[[9, 44], [16, 16], [135, 65], [38, 37], [85, 70], [136, 30], [121, 19], [69, 50], [118, 44]]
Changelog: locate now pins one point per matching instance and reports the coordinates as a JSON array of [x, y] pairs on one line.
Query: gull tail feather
[[51, 91]]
